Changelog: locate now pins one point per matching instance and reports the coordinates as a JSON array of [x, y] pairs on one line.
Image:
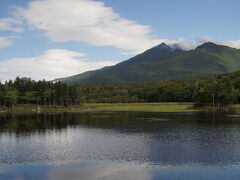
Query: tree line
[[27, 91], [217, 91]]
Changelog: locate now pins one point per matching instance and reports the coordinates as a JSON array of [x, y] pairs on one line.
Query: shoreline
[[41, 108], [160, 107], [143, 107]]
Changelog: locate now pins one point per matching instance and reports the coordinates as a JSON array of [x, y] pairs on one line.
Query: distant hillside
[[164, 62]]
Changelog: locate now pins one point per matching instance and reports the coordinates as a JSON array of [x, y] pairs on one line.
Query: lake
[[120, 145]]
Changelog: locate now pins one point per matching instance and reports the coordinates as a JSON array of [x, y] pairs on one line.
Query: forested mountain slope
[[164, 62]]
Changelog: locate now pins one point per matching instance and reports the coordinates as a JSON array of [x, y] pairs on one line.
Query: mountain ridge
[[164, 62]]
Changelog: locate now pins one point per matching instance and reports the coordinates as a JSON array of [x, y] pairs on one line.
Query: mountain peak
[[172, 47], [163, 46], [207, 45]]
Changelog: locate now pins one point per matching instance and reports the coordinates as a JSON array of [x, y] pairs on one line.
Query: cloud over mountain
[[94, 23], [86, 21]]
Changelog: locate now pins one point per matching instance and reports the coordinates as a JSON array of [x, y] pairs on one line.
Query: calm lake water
[[120, 145]]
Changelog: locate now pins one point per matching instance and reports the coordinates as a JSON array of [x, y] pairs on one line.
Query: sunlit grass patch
[[148, 107]]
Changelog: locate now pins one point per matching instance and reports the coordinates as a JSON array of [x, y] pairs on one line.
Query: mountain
[[165, 62]]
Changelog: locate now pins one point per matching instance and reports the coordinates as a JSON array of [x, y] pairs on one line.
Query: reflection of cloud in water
[[6, 173], [99, 171], [70, 137], [108, 170], [3, 170]]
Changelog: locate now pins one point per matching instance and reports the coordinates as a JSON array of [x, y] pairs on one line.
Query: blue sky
[[56, 38]]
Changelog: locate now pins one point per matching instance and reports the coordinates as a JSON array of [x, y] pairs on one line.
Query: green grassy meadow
[[147, 107], [144, 107]]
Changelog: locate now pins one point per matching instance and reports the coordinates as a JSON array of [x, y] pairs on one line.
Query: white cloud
[[86, 21], [189, 45], [52, 64], [233, 44], [5, 41], [10, 24], [92, 22]]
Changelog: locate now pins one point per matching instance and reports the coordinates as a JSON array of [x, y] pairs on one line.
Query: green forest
[[27, 91], [217, 91]]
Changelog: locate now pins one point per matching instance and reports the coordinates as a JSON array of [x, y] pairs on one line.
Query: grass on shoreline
[[41, 108], [144, 107], [147, 107]]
